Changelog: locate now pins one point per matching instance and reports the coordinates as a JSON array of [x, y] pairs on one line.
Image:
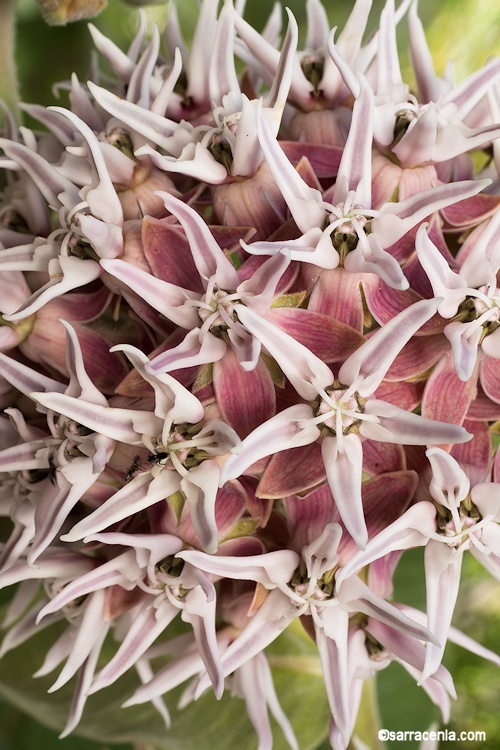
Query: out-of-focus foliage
[[61, 12]]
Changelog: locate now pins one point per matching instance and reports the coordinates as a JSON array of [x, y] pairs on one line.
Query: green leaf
[[206, 723]]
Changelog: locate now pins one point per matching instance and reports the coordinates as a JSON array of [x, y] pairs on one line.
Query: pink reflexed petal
[[355, 167], [464, 641], [163, 244], [148, 623], [140, 493], [442, 579], [301, 367], [412, 529], [470, 211], [331, 640], [125, 425], [373, 359], [255, 683], [323, 158], [246, 398], [445, 282], [170, 300], [385, 303], [379, 458], [325, 337], [445, 396], [395, 219], [417, 357], [208, 257], [343, 464], [272, 570], [490, 378], [307, 516], [305, 203], [200, 488], [292, 471], [475, 456], [491, 344], [395, 425], [490, 561], [338, 294], [385, 498]]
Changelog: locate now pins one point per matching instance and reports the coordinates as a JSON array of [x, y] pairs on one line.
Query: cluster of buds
[[250, 354]]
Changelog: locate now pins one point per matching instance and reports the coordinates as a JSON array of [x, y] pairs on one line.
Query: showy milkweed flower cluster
[[250, 354]]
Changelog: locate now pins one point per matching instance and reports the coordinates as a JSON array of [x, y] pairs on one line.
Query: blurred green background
[[465, 31]]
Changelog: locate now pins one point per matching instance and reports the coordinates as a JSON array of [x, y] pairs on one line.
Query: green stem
[[9, 91], [368, 721]]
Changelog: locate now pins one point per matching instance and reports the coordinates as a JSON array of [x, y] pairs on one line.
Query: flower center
[[339, 410], [313, 590], [216, 309], [482, 308]]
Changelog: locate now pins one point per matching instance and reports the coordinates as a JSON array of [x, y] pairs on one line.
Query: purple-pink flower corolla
[[304, 585], [341, 411], [348, 231], [460, 519], [178, 448], [431, 130], [59, 464], [207, 316], [470, 298]]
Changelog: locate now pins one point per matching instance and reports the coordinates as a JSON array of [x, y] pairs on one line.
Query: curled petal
[[288, 429]]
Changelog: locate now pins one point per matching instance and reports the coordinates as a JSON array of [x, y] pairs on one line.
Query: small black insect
[[52, 471], [157, 457], [132, 469]]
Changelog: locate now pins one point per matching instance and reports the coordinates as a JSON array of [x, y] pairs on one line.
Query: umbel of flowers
[[250, 355]]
